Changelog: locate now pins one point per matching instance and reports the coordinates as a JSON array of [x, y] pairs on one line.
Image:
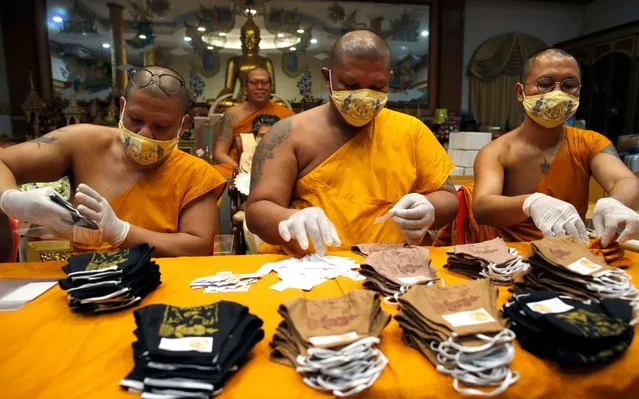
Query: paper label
[[330, 340], [583, 266], [554, 305], [469, 318], [279, 286], [86, 236], [408, 281], [28, 292], [197, 344]]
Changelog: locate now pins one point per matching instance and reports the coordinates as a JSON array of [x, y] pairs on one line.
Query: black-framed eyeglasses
[[546, 85], [258, 82], [142, 77]]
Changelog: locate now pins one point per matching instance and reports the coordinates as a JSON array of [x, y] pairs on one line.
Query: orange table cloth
[[46, 351]]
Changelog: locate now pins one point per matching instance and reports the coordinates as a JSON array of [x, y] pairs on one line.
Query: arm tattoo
[[46, 139], [449, 186], [266, 149], [610, 149], [227, 126]]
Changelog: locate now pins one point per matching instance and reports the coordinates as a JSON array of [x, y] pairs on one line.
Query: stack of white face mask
[[458, 328], [344, 372], [310, 271], [226, 282]]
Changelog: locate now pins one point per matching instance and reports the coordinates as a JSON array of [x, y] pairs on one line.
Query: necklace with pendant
[[545, 166]]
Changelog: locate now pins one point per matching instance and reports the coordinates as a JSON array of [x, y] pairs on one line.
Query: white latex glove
[[97, 208], [555, 217], [609, 215], [310, 222], [35, 206], [414, 215]]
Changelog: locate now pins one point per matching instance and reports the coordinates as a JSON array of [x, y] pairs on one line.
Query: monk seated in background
[[533, 181], [132, 182], [239, 119], [329, 172], [261, 125]]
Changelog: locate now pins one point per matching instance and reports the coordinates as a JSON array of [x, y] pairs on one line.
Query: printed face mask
[[357, 107], [550, 109], [144, 150]]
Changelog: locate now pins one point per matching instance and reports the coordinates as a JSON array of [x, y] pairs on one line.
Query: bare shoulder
[[83, 135]]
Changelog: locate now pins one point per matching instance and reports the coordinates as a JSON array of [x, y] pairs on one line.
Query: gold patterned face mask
[[357, 107], [144, 150], [550, 109]]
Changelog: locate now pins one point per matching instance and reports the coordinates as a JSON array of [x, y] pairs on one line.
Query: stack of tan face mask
[[566, 266], [458, 328], [331, 342], [392, 272], [489, 259]]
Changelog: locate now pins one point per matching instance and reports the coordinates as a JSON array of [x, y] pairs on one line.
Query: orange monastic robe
[[156, 200], [568, 180], [395, 155], [246, 126]]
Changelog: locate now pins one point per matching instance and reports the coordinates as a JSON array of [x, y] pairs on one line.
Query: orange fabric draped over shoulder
[[568, 180], [156, 201], [395, 155]]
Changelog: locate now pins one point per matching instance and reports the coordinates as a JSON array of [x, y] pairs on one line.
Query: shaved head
[[257, 69], [547, 53], [182, 94], [360, 44]]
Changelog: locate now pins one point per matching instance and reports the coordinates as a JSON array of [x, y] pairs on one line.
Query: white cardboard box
[[463, 158], [469, 140]]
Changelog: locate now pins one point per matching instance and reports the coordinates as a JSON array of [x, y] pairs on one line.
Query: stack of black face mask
[[102, 282], [192, 351], [568, 331]]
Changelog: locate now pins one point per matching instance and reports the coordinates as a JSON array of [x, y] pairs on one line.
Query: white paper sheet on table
[[15, 293], [310, 271]]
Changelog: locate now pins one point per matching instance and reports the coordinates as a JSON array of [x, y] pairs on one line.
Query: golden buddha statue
[[238, 66]]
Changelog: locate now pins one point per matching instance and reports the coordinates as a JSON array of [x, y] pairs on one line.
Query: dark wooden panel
[[451, 46], [26, 49]]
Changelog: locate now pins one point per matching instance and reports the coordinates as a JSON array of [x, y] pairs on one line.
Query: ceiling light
[[209, 47], [142, 37], [313, 41], [280, 35], [57, 19], [424, 33], [106, 45], [222, 34], [201, 29], [187, 38], [292, 49], [300, 31], [253, 12], [403, 47]]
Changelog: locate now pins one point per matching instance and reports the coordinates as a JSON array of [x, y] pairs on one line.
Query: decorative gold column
[[149, 57], [118, 52]]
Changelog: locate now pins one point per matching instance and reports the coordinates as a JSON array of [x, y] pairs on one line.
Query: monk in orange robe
[[533, 181], [350, 171], [133, 182], [239, 119]]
